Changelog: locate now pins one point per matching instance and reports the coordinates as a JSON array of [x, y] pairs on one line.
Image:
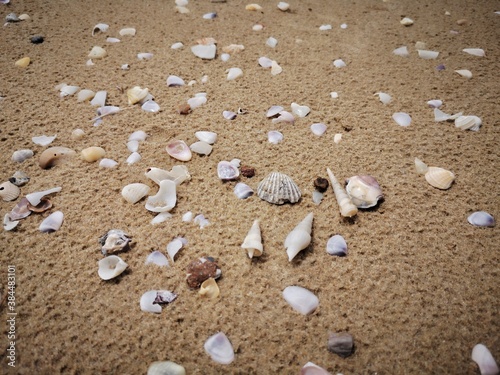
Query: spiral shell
[[278, 188]]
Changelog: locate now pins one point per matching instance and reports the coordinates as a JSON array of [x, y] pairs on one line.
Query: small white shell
[[136, 94], [384, 98], [161, 217], [317, 197], [435, 103], [274, 110], [133, 193], [253, 241], [67, 90], [484, 359], [468, 123], [110, 267], [440, 115], [474, 51], [133, 158], [274, 137], [112, 40], [145, 56], [301, 299], [427, 55], [107, 163], [283, 6], [336, 245], [299, 238], [187, 217], [275, 68], [175, 81], [97, 53], [196, 101], [401, 51], [209, 289], [9, 191], [229, 115], [225, 57], [165, 368], [138, 135], [278, 188], [133, 146], [402, 119], [481, 219], [165, 199], [21, 155], [179, 150], [99, 99], [339, 63], [227, 171], [464, 73], [35, 198], [178, 174], [337, 138], [300, 110], [206, 136], [100, 27], [284, 116], [85, 95], [318, 129], [157, 258], [406, 21], [325, 27], [219, 348], [175, 246], [233, 73], [271, 42], [257, 27], [152, 300], [347, 208], [209, 16], [420, 166], [52, 222], [177, 45], [312, 369], [201, 148], [439, 178], [265, 62], [127, 31], [204, 51], [243, 191], [9, 224]]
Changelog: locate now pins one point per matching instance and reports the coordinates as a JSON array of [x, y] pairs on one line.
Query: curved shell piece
[[209, 289], [206, 52], [402, 119], [219, 348], [133, 193], [347, 208], [43, 140], [150, 106], [165, 199], [299, 238], [278, 188], [85, 95], [439, 178], [8, 223], [401, 51], [52, 222], [114, 240], [300, 110], [318, 129], [227, 171], [21, 155], [165, 368], [274, 137], [35, 198], [336, 245], [111, 267], [43, 206], [175, 246], [127, 31], [23, 63], [384, 98], [233, 73], [206, 136], [179, 150], [301, 299], [97, 53], [157, 258], [364, 191], [474, 51], [9, 191], [201, 148], [138, 135], [274, 110], [178, 174], [484, 359], [242, 190], [420, 166], [175, 81], [312, 369], [92, 154], [133, 158], [481, 219], [54, 156], [100, 27], [464, 73], [468, 123], [284, 116], [253, 241], [136, 94], [20, 211]]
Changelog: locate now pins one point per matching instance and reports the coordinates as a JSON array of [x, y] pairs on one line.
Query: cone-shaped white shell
[[301, 299], [347, 208], [204, 51], [299, 238], [487, 364], [111, 267], [165, 368], [52, 222], [481, 219], [253, 241], [219, 348], [133, 193], [165, 199]]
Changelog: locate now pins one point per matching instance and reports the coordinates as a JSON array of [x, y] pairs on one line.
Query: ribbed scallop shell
[[133, 193], [9, 191], [439, 178], [278, 188]]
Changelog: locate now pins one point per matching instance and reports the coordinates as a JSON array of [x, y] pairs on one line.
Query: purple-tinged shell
[[481, 219]]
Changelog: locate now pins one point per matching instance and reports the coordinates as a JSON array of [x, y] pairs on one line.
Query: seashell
[[401, 51], [138, 135], [468, 123], [68, 90], [165, 199], [35, 198], [478, 218], [107, 163], [318, 129], [299, 238], [20, 210], [19, 178], [253, 7], [427, 55], [144, 56], [179, 150], [136, 94], [127, 31], [157, 258], [317, 197], [178, 174], [99, 99], [165, 368], [206, 52], [225, 57], [175, 246], [464, 73], [227, 171], [233, 73], [133, 146], [243, 191], [206, 136], [341, 343], [337, 138], [339, 63], [201, 221], [253, 241], [435, 103], [8, 223], [301, 299], [283, 6], [278, 188], [484, 359], [209, 289], [266, 62], [347, 208], [271, 42], [44, 205], [114, 240], [474, 51], [228, 115], [23, 63], [187, 217], [233, 48], [153, 300], [275, 68], [92, 154], [161, 217], [9, 191], [85, 95], [97, 53], [174, 81], [336, 245], [274, 137], [406, 21], [274, 110], [133, 193], [110, 267], [201, 148], [384, 98], [364, 191], [201, 269], [420, 166], [12, 17], [334, 95], [24, 17], [100, 27], [54, 156], [284, 116], [219, 348], [21, 155], [300, 110], [312, 369], [52, 222], [439, 178], [257, 27], [196, 102], [112, 40], [402, 119], [440, 115], [177, 45]]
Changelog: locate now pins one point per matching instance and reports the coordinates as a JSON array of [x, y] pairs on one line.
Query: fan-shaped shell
[[278, 188], [439, 178], [111, 267], [9, 191], [136, 94], [133, 193]]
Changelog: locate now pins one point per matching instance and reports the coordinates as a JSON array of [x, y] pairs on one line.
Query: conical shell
[[54, 156], [420, 166], [347, 208], [52, 222], [253, 241], [165, 368], [278, 188], [111, 267], [364, 191], [219, 348], [136, 94], [299, 238], [133, 193], [165, 199], [209, 289], [439, 178], [9, 191]]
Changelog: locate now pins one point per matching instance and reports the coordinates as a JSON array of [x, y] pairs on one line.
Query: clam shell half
[[278, 188], [439, 177]]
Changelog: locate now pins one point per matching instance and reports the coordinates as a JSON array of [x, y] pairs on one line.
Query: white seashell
[[299, 238], [133, 158], [85, 95], [406, 21], [206, 136], [283, 6], [339, 63], [145, 56], [347, 208], [312, 369], [274, 110], [68, 91], [420, 45], [127, 31], [177, 45], [138, 135], [92, 154], [136, 94], [179, 150], [150, 106], [336, 245], [174, 81], [21, 155], [99, 99], [420, 166], [474, 51], [481, 219], [401, 51], [253, 241], [209, 289], [165, 199], [301, 299], [133, 193], [484, 359], [225, 57], [209, 16], [325, 27], [257, 27], [337, 138], [464, 73], [427, 55], [201, 221], [197, 101], [110, 267], [100, 27], [435, 103], [89, 62], [402, 119], [178, 174], [97, 53], [271, 42], [201, 148], [235, 162], [133, 146], [274, 137], [243, 191], [233, 73], [317, 197], [206, 52], [9, 191], [253, 7], [318, 129], [278, 188], [384, 98], [174, 247], [227, 171], [219, 348], [125, 67], [187, 217], [228, 115], [468, 123], [364, 191], [165, 368], [275, 68], [9, 224], [152, 300], [35, 198], [284, 116], [439, 178], [161, 217], [300, 110], [107, 163], [265, 62], [112, 40], [52, 222], [440, 115]]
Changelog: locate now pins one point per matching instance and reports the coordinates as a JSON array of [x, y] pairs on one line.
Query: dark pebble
[[321, 184], [247, 171], [37, 39]]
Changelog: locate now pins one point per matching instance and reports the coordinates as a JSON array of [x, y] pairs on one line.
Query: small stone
[[200, 270], [247, 171], [184, 109], [37, 39], [321, 184], [341, 343]]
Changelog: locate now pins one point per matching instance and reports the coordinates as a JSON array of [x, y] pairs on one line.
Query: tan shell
[[278, 188], [54, 156], [136, 94], [92, 154], [9, 191], [439, 178], [209, 289], [23, 63]]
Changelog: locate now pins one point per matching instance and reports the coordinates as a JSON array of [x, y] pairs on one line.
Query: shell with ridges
[[278, 188], [347, 208], [439, 177], [136, 94], [133, 193], [9, 191]]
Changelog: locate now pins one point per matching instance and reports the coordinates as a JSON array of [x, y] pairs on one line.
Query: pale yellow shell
[[439, 178], [253, 7], [92, 154], [209, 289], [23, 63], [97, 53], [136, 94], [9, 191]]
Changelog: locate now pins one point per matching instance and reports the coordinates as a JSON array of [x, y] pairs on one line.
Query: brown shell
[[54, 156], [200, 270], [44, 205]]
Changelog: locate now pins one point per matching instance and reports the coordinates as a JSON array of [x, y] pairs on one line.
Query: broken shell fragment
[[401, 51], [278, 188], [347, 208], [161, 217], [312, 369], [464, 73], [133, 158], [165, 199], [435, 103], [100, 27], [206, 136], [153, 300], [21, 155], [284, 116], [35, 198], [406, 21], [275, 68], [44, 205], [127, 31], [114, 240], [68, 90], [274, 110], [92, 154], [243, 191], [299, 238], [110, 267], [206, 52], [23, 63], [402, 119], [219, 348], [136, 94], [318, 129], [54, 156], [364, 191], [439, 178], [9, 191], [484, 359], [253, 241], [133, 193], [341, 343], [336, 245], [301, 299], [157, 258], [474, 51], [201, 269], [209, 289], [427, 55], [179, 150], [175, 246], [227, 170], [300, 110], [174, 81], [99, 99], [468, 123], [201, 148], [228, 115], [52, 222], [253, 7], [420, 166], [233, 73], [274, 137], [150, 106], [178, 174], [339, 63], [20, 211], [8, 223], [384, 98], [84, 95], [479, 219], [283, 6], [97, 53], [165, 368]]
